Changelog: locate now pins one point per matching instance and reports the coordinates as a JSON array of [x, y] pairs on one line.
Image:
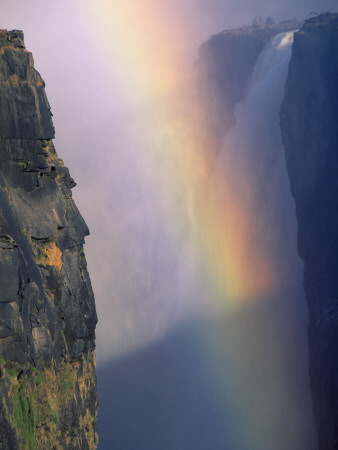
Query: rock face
[[47, 310], [309, 129], [310, 135], [226, 62]]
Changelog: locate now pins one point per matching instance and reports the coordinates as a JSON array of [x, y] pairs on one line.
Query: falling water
[[229, 381], [253, 151], [270, 339]]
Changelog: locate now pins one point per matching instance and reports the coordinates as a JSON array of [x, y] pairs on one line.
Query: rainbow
[[150, 57], [149, 49]]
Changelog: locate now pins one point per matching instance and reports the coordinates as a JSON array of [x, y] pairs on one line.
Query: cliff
[[308, 118], [47, 311], [310, 137], [225, 65]]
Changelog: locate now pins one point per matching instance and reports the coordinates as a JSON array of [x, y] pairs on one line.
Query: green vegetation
[[12, 372], [39, 397], [82, 256], [24, 164], [37, 401], [31, 413], [66, 385], [25, 413]]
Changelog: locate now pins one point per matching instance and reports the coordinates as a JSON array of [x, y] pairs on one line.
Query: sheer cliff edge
[[47, 309], [309, 132], [310, 136]]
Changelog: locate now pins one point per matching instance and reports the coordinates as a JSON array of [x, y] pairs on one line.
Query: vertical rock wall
[[47, 309], [225, 66], [309, 122], [309, 125]]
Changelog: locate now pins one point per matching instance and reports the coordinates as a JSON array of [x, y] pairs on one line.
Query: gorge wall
[[47, 310], [226, 62], [310, 138]]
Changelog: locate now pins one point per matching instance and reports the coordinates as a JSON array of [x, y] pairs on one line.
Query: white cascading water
[[254, 150]]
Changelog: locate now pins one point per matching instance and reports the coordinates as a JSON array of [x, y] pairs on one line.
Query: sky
[[120, 80]]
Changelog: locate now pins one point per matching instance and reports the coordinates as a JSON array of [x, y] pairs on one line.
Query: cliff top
[[261, 31], [319, 22], [227, 59], [21, 85], [13, 38]]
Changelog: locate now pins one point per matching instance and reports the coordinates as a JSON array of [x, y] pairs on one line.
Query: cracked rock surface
[[47, 309]]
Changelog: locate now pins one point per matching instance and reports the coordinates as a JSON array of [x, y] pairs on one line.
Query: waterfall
[[235, 378], [253, 151], [277, 325]]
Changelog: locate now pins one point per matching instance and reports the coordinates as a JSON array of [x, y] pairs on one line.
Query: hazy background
[[95, 126], [147, 313]]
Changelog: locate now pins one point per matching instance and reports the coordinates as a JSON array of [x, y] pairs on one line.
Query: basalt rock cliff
[[226, 62], [309, 123], [47, 311], [308, 116]]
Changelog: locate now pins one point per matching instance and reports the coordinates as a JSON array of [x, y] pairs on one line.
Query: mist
[[155, 304]]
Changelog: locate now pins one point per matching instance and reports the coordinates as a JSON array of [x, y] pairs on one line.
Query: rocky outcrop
[[47, 310], [225, 64], [310, 137]]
